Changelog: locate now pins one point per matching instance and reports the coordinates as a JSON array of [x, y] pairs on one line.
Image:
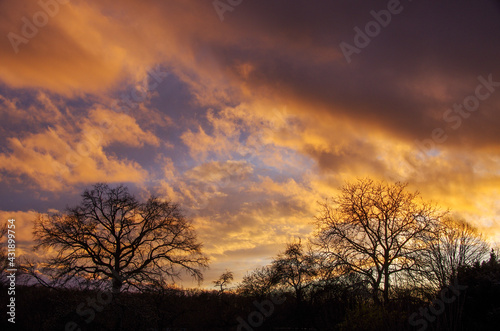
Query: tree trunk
[[117, 307], [375, 297], [116, 285], [386, 284]]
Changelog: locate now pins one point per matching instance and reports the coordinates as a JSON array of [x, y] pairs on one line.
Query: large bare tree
[[377, 230], [111, 235]]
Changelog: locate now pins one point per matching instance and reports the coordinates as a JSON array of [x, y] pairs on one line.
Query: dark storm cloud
[[393, 82]]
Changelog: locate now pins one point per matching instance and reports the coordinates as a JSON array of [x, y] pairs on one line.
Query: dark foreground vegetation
[[335, 306], [380, 259]]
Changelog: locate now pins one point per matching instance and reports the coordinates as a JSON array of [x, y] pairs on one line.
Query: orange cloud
[[68, 153], [23, 229]]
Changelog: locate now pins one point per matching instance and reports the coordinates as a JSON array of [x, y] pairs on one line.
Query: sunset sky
[[247, 113]]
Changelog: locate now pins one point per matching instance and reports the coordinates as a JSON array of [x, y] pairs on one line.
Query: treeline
[[339, 305], [381, 258]]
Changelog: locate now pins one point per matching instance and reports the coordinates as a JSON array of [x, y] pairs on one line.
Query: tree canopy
[[114, 236], [377, 230]]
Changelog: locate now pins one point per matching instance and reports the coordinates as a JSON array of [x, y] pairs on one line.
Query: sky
[[247, 113]]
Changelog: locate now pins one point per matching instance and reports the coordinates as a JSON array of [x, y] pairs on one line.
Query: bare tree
[[224, 280], [375, 229], [295, 268], [260, 282], [112, 235], [454, 244]]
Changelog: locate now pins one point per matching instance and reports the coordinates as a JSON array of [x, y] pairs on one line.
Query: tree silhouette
[[481, 310], [453, 245], [375, 229], [112, 235], [295, 268], [260, 282], [224, 280]]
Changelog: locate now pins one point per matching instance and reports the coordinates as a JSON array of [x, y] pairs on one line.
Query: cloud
[[257, 226], [220, 171], [72, 150], [117, 128], [78, 50], [49, 161], [23, 229]]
